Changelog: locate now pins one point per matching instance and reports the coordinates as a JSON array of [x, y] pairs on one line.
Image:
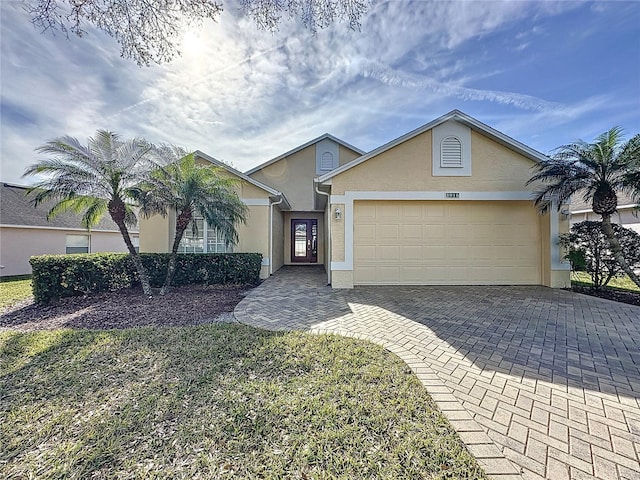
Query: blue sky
[[545, 73]]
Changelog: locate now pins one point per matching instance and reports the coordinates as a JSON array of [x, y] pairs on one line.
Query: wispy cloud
[[246, 95]]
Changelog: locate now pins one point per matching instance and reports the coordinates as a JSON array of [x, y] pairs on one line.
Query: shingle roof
[[16, 209], [578, 204]]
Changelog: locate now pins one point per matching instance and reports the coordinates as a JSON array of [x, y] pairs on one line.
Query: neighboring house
[[627, 215], [25, 231], [444, 204]]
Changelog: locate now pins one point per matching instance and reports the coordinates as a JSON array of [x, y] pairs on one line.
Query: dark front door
[[304, 241]]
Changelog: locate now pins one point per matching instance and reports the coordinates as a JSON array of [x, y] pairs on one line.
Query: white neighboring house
[[25, 231], [628, 214]]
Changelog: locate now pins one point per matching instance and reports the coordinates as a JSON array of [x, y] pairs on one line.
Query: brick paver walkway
[[539, 383]]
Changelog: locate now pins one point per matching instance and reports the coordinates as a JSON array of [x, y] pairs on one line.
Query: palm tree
[[597, 171], [93, 180], [187, 188]]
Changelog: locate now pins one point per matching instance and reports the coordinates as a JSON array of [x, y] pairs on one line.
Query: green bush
[[57, 276], [589, 251]]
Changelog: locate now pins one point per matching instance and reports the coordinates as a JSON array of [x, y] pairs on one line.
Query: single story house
[[25, 231], [444, 204], [628, 214]]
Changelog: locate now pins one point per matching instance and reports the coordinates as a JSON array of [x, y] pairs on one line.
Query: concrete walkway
[[539, 383]]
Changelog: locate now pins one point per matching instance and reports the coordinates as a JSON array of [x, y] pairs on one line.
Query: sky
[[545, 73]]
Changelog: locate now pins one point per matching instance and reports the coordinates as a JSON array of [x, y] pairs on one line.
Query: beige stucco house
[[25, 231], [444, 204]]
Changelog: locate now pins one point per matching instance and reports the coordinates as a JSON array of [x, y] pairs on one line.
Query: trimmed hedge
[[57, 276]]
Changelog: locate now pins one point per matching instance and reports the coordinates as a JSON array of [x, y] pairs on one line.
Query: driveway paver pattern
[[538, 382]]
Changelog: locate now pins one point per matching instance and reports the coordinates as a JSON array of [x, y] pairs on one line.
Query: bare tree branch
[[149, 30]]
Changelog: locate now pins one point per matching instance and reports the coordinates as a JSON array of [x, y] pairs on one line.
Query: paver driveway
[[539, 381]]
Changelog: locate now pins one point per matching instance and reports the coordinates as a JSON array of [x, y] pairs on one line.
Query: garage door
[[446, 243]]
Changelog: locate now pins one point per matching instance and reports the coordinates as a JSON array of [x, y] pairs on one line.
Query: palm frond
[[94, 212]]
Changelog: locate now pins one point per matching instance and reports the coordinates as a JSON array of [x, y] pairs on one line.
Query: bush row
[[57, 276]]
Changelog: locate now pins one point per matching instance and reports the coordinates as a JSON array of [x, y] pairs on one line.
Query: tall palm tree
[[188, 188], [597, 171], [93, 180]]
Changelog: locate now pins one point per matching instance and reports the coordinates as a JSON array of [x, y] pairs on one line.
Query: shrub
[[589, 250], [57, 276]]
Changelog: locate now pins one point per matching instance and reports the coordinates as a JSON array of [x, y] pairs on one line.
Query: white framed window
[[136, 243], [77, 243], [207, 240]]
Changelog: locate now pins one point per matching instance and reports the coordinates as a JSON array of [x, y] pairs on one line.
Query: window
[[451, 152], [206, 240], [77, 244], [136, 243]]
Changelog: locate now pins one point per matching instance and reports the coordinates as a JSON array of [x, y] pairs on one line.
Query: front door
[[304, 241]]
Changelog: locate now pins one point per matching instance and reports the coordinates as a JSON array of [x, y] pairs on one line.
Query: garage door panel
[[365, 233], [433, 253], [412, 252], [387, 253], [433, 232], [387, 232], [411, 231], [365, 253], [416, 242]]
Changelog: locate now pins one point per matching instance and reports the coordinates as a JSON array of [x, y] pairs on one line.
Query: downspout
[[271, 204], [328, 231]]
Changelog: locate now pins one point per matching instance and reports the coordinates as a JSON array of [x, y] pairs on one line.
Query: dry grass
[[210, 401]]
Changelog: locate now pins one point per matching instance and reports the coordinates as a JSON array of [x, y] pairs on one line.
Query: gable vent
[[326, 161], [451, 152]]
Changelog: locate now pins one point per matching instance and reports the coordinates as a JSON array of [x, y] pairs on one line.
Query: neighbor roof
[[272, 191], [456, 115], [578, 205], [302, 147], [16, 210]]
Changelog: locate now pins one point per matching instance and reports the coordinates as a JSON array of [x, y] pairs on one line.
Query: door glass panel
[[314, 239], [300, 240]]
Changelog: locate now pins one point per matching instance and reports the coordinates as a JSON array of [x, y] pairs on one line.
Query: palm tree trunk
[[137, 262], [181, 225], [117, 212], [616, 249]]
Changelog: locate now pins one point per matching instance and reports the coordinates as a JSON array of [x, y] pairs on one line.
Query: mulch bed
[[188, 305], [610, 294]]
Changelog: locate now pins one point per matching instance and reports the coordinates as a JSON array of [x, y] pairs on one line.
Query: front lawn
[[13, 291], [624, 282], [216, 401]]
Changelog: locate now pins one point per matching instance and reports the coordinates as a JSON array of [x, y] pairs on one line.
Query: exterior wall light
[[337, 213]]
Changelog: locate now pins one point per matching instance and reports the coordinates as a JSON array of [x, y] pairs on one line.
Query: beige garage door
[[446, 243]]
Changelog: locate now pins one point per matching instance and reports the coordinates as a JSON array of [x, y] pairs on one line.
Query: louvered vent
[[451, 153], [326, 162]]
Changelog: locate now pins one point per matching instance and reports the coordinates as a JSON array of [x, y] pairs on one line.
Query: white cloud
[[245, 95]]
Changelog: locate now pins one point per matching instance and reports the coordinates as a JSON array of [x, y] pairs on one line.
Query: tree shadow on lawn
[[213, 401]]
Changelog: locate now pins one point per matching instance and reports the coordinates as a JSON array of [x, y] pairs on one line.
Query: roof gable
[[302, 147], [237, 173], [455, 115]]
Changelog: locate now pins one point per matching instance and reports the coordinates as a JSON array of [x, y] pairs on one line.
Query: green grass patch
[[620, 283], [216, 402], [13, 291]]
